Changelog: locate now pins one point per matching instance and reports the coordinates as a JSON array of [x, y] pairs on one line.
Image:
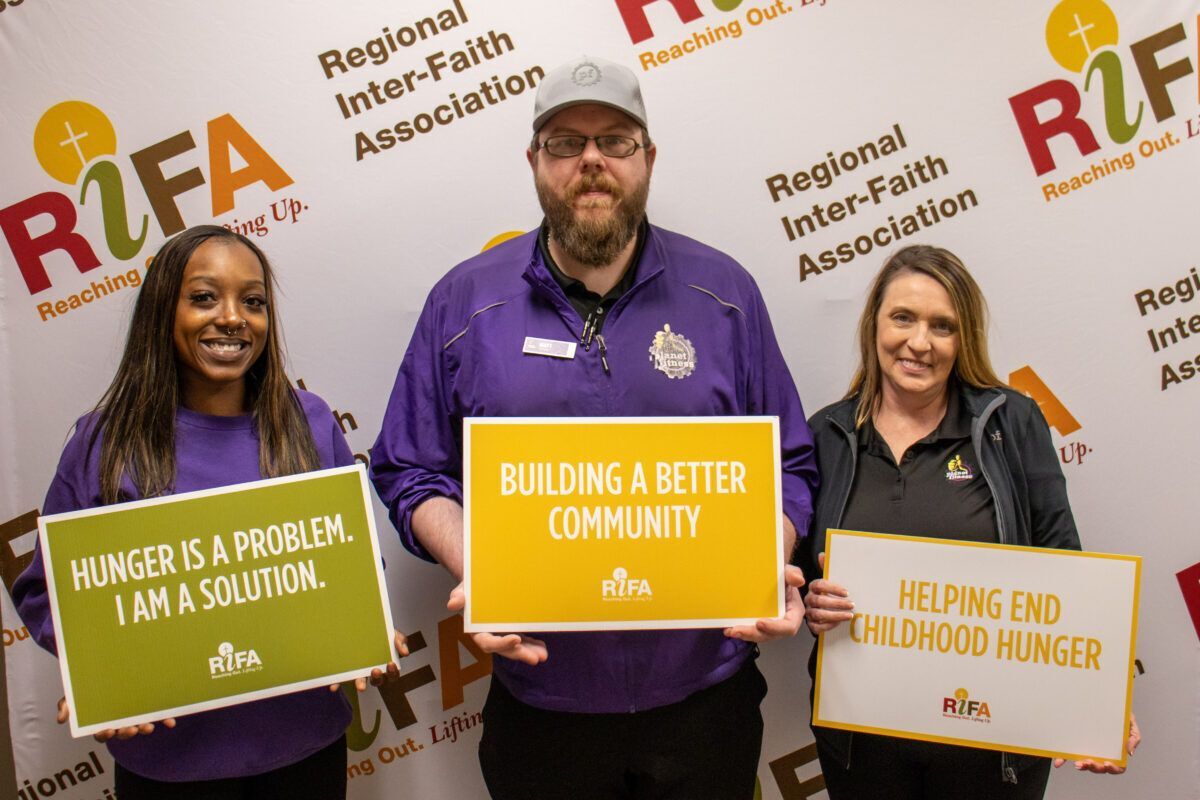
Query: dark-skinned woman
[[200, 400]]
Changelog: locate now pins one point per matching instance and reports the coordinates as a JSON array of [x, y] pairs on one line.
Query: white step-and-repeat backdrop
[[370, 146]]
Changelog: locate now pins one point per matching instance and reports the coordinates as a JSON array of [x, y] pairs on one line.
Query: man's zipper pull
[[589, 328], [603, 350]]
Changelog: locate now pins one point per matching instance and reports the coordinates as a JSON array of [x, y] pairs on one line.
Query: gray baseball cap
[[589, 80]]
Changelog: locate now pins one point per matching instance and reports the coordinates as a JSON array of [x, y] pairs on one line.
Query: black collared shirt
[[592, 308], [936, 490]]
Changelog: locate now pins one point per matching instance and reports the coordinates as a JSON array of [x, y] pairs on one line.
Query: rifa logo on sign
[[622, 587], [75, 143], [229, 662], [960, 706]]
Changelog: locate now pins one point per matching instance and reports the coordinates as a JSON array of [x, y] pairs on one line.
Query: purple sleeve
[[417, 455], [327, 434], [777, 396], [342, 456], [75, 486]]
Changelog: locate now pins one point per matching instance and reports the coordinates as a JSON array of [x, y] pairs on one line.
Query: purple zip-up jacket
[[465, 360], [231, 742]]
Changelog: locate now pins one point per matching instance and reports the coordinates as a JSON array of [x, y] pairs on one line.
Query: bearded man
[[596, 313]]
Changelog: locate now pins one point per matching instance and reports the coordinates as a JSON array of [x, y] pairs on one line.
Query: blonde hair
[[972, 365]]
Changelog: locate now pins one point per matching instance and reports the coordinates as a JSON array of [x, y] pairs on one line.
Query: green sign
[[207, 599]]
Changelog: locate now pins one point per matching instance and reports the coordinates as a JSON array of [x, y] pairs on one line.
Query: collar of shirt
[[955, 424], [583, 299]]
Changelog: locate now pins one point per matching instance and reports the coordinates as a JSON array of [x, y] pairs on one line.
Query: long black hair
[[137, 412]]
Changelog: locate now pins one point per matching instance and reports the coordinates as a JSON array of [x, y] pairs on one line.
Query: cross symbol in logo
[[73, 141], [1081, 31]]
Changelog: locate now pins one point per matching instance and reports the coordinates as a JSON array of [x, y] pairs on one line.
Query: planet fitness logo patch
[[622, 588], [958, 470], [961, 706], [672, 354], [229, 662], [1082, 37]]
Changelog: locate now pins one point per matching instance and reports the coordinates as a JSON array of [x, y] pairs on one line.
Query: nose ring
[[232, 331]]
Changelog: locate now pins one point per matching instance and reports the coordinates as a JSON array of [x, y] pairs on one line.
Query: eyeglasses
[[571, 145]]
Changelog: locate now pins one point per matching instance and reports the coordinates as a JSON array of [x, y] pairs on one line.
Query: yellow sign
[[621, 523]]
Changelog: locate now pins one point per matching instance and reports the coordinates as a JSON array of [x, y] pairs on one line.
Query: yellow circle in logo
[[960, 694], [69, 135], [501, 238], [1077, 28]]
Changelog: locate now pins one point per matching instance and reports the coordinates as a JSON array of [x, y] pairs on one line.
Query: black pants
[[321, 776], [706, 746], [887, 768]]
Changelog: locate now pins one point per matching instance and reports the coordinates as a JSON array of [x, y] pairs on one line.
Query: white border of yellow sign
[[987, 656], [537, 584]]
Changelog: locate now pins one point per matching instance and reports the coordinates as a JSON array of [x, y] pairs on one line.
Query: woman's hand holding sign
[[1107, 767], [380, 677], [827, 604], [64, 713]]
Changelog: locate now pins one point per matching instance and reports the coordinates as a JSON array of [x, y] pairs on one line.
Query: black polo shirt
[[936, 490], [592, 308]]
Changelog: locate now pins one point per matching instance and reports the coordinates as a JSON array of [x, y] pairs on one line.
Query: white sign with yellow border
[[1021, 649], [621, 523]]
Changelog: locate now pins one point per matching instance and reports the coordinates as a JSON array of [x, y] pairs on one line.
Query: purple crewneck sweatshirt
[[240, 740]]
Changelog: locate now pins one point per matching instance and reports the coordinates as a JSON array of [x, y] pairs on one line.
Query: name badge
[[548, 347]]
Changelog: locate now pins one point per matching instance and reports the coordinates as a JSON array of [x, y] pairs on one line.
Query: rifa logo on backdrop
[[372, 739], [707, 30], [1189, 584], [75, 143], [1057, 416], [1082, 37]]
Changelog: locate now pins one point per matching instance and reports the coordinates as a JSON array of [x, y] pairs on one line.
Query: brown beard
[[590, 241]]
